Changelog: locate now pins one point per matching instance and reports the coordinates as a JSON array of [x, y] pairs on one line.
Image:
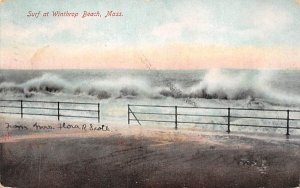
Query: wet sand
[[135, 156]]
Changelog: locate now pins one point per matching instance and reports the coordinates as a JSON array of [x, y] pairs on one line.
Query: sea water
[[115, 89]]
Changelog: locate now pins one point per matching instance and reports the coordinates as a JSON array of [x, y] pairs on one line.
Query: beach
[[145, 156], [63, 149], [154, 94]]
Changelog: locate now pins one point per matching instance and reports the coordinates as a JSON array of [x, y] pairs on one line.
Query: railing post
[[21, 108], [288, 123], [175, 117], [228, 121], [98, 113], [58, 111], [128, 115]]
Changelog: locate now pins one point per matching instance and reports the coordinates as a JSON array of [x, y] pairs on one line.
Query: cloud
[[18, 33], [266, 21], [175, 56], [169, 30], [191, 18], [38, 34], [271, 19], [204, 25]]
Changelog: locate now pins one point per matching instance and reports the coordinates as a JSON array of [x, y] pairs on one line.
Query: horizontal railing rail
[[51, 108], [226, 116]]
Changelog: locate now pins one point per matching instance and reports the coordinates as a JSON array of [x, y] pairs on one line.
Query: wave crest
[[216, 84]]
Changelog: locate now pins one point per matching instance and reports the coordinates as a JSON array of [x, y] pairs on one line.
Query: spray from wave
[[216, 84], [102, 89], [219, 84]]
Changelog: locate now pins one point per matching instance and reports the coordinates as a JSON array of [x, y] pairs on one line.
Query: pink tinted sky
[[167, 34]]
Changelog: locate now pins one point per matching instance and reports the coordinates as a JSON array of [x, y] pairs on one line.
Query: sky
[[165, 34]]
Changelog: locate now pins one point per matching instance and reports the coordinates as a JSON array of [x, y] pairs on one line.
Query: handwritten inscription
[[42, 127], [61, 126], [16, 126], [84, 14], [38, 127]]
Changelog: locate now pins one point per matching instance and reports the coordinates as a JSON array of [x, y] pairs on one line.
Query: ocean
[[277, 87], [115, 89]]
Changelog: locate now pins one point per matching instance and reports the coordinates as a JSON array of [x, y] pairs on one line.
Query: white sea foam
[[215, 84], [218, 84]]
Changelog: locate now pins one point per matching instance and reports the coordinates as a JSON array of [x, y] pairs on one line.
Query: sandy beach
[[144, 156], [150, 94]]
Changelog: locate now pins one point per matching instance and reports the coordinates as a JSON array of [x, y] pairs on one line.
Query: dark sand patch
[[129, 161]]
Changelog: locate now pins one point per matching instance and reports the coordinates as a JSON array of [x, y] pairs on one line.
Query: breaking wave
[[102, 89], [216, 84], [219, 84]]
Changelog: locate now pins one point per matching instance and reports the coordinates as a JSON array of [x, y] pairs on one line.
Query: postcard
[[150, 93]]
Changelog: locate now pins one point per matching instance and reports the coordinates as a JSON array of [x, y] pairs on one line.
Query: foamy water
[[278, 87], [116, 89]]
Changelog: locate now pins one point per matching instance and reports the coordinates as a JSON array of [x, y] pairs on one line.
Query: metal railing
[[229, 116], [51, 109]]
